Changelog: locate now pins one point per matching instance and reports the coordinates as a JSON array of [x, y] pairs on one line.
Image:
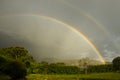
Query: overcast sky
[[31, 23]]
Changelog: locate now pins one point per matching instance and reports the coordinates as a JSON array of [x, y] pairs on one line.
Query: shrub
[[15, 69], [116, 64]]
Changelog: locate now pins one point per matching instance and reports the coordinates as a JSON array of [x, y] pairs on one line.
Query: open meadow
[[93, 76]]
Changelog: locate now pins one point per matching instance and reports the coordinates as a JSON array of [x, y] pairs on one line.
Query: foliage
[[14, 52], [11, 68], [15, 62], [2, 60], [5, 77], [116, 64], [18, 53], [56, 68], [100, 68], [15, 70], [43, 67]]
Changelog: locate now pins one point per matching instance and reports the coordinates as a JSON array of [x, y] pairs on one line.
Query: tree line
[[16, 62]]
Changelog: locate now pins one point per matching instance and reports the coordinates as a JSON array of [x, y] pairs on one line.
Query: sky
[[42, 26]]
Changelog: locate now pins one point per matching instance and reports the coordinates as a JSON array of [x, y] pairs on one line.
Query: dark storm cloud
[[7, 40]]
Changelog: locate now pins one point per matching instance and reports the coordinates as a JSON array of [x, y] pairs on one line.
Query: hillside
[[73, 62]]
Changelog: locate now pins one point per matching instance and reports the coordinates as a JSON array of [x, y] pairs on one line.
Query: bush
[[116, 64], [2, 62], [15, 69]]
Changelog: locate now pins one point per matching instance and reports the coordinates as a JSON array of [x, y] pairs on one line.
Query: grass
[[93, 76]]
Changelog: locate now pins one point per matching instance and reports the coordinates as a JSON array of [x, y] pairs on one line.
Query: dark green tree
[[18, 53], [15, 69], [27, 63], [43, 67], [2, 63], [116, 64], [100, 68], [15, 52], [2, 60]]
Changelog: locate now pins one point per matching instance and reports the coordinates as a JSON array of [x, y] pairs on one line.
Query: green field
[[93, 76]]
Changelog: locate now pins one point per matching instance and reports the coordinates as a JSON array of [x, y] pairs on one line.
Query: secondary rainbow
[[88, 17]]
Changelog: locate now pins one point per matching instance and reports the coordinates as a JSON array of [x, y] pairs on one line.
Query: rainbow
[[78, 33], [87, 17], [74, 30]]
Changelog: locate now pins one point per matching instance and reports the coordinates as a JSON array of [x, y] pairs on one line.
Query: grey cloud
[[73, 12]]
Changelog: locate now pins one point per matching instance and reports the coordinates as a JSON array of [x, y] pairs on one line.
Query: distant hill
[[73, 62]]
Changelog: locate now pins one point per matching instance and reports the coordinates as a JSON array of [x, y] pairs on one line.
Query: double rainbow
[[72, 28]]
